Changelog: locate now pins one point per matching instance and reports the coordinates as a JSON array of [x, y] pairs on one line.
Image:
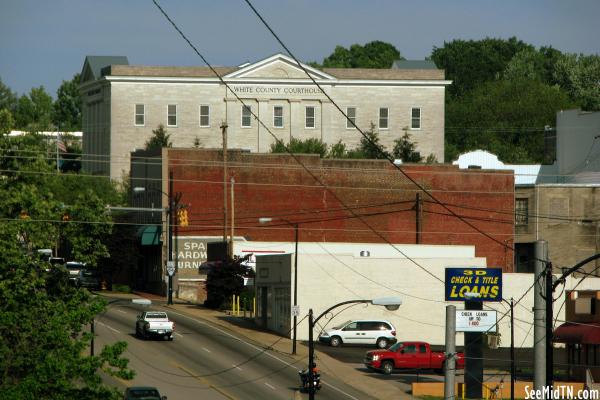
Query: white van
[[361, 332]]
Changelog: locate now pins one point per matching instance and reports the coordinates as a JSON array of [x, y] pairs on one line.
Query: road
[[207, 362]]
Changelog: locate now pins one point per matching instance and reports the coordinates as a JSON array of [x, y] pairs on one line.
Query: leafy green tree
[[533, 64], [405, 149], [43, 334], [579, 76], [224, 281], [505, 117], [471, 63], [376, 54], [67, 107], [6, 121], [159, 139], [298, 146], [370, 146], [8, 99], [34, 112]]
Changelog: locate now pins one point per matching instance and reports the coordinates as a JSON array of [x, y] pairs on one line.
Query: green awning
[[149, 235]]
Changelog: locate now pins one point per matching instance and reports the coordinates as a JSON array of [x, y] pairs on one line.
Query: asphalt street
[[206, 361]]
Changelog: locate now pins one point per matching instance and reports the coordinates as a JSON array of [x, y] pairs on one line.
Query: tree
[[579, 76], [6, 121], [8, 99], [370, 146], [298, 146], [34, 112], [159, 139], [43, 334], [67, 107], [376, 54], [224, 281], [405, 149], [533, 64], [505, 117], [471, 63]]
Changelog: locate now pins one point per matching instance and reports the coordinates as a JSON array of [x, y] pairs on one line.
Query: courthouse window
[[139, 114], [278, 116], [204, 116], [351, 114], [309, 120], [383, 118], [415, 122], [521, 211], [172, 115], [246, 116]]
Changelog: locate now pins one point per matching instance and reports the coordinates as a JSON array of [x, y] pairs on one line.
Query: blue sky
[[44, 42]]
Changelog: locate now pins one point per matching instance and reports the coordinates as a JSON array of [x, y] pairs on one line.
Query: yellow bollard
[[232, 304], [254, 307], [238, 306]]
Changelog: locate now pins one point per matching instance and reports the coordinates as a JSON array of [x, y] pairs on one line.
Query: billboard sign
[[483, 284]]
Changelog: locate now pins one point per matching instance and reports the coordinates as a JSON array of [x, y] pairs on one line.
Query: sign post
[[474, 286]]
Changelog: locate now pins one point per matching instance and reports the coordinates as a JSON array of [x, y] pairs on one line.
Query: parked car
[[154, 323], [409, 355], [74, 268], [89, 278], [364, 332], [143, 393]]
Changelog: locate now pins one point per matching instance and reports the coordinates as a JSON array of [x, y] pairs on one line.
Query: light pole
[[173, 204], [391, 303], [265, 220]]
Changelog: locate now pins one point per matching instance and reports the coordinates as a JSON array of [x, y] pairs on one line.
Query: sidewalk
[[377, 388]]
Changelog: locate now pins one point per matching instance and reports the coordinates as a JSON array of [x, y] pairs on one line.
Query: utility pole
[[539, 314], [450, 365], [232, 216], [549, 333], [473, 357], [171, 212], [418, 218], [224, 131], [295, 288]]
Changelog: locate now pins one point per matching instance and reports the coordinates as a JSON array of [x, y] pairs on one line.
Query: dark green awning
[[149, 235]]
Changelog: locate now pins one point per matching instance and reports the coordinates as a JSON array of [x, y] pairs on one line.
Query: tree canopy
[[160, 138], [376, 54], [43, 334], [67, 107]]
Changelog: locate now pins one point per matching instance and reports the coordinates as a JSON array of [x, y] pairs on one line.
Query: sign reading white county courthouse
[[275, 90]]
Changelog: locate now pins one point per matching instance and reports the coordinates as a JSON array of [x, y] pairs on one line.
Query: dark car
[[143, 393], [89, 278]]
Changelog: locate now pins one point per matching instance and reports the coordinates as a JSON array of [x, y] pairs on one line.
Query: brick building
[[389, 205]]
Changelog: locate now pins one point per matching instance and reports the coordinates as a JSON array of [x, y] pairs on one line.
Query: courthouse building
[[123, 103]]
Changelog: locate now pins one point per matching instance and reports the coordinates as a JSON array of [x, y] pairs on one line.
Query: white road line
[[121, 311], [205, 349], [109, 327], [291, 365], [271, 386], [236, 367], [180, 335]]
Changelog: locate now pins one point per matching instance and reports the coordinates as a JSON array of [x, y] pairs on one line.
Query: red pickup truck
[[409, 355]]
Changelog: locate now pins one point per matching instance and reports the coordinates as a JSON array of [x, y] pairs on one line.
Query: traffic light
[[65, 217], [182, 217], [23, 214]]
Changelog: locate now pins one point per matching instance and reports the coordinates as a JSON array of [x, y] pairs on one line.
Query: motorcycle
[[306, 381]]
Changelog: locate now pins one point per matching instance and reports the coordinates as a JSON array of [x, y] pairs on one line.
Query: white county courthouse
[[123, 103]]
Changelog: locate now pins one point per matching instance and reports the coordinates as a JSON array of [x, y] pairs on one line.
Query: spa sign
[[484, 283]]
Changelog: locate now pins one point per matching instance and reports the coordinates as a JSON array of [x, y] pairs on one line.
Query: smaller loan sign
[[475, 321], [473, 284]]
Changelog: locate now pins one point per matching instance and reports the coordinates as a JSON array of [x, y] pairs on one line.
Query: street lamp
[[390, 303], [171, 210], [265, 220]]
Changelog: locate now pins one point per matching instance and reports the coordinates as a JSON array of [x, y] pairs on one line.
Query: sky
[[43, 42]]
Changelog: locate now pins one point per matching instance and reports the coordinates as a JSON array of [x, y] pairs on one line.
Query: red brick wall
[[273, 185]]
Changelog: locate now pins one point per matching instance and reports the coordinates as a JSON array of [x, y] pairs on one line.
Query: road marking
[[121, 311], [271, 386], [109, 327], [236, 367], [178, 334], [262, 350], [205, 349], [206, 382]]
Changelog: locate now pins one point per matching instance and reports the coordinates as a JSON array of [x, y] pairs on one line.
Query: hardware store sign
[[484, 283]]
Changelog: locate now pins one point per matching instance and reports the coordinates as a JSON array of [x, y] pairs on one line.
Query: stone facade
[[125, 103]]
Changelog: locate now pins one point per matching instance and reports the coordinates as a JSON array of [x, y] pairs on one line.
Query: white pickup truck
[[154, 323]]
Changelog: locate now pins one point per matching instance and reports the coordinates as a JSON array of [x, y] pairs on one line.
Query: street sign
[[484, 283], [475, 321], [170, 268], [295, 311]]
